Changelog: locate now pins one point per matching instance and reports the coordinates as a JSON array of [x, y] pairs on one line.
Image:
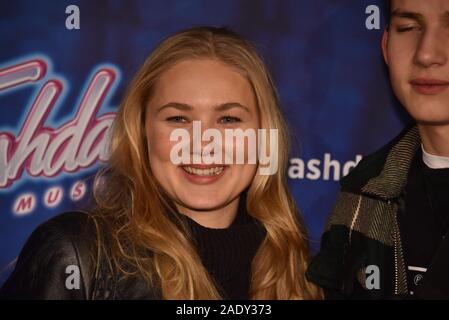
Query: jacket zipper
[[396, 264], [398, 253]]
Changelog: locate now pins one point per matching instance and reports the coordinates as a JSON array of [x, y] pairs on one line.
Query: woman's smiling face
[[218, 96]]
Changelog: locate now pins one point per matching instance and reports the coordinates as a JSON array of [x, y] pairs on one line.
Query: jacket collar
[[384, 173]]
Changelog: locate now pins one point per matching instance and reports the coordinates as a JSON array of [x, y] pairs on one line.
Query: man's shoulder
[[374, 163]]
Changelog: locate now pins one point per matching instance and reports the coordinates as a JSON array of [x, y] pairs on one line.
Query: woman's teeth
[[204, 172]]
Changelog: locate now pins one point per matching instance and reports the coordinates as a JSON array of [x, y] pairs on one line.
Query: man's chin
[[430, 114], [435, 122]]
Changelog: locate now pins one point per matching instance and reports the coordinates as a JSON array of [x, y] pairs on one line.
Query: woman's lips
[[429, 86], [203, 174]]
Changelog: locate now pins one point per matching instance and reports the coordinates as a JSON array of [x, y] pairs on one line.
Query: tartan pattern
[[371, 211], [391, 181]]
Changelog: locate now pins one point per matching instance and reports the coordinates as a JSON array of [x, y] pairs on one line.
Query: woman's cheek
[[160, 145]]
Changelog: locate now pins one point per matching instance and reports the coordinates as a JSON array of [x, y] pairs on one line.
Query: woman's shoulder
[[57, 261], [62, 260], [69, 233], [73, 226]]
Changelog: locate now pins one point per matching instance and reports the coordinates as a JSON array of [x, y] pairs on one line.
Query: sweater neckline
[[227, 253]]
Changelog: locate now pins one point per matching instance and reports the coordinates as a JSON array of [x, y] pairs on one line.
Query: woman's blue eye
[[229, 119], [177, 119]]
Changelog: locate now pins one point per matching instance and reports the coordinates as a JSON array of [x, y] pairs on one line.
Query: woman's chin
[[203, 202]]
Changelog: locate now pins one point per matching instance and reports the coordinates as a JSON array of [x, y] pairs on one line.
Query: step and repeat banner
[[64, 66]]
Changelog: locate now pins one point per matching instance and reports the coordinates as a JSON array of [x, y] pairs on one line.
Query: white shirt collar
[[433, 161]]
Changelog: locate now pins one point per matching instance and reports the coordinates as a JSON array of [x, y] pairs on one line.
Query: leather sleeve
[[57, 261]]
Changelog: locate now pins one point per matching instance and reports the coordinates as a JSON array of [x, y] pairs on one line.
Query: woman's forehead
[[203, 82]]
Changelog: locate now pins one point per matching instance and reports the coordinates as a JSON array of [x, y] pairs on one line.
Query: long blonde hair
[[139, 216]]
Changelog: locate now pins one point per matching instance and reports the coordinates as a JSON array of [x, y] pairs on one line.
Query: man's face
[[416, 49]]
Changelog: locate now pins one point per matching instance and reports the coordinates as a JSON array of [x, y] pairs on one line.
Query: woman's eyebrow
[[230, 105], [187, 107], [176, 105]]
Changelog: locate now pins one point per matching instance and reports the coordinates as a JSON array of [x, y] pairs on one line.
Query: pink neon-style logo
[[45, 151]]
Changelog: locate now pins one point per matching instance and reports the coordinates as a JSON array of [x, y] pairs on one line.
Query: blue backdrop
[[326, 63]]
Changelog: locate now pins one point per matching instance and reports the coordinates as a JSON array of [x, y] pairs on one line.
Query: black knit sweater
[[227, 253]]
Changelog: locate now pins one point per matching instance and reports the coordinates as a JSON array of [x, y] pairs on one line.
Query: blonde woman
[[162, 230]]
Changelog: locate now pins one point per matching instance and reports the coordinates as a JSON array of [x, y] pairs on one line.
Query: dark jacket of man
[[362, 238]]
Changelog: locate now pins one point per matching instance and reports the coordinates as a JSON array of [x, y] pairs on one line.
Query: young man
[[386, 237]]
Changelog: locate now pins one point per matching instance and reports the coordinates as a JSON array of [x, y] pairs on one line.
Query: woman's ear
[[385, 45]]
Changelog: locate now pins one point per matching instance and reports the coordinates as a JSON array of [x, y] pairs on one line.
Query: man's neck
[[435, 139]]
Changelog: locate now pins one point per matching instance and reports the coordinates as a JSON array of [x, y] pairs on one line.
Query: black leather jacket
[[60, 261]]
